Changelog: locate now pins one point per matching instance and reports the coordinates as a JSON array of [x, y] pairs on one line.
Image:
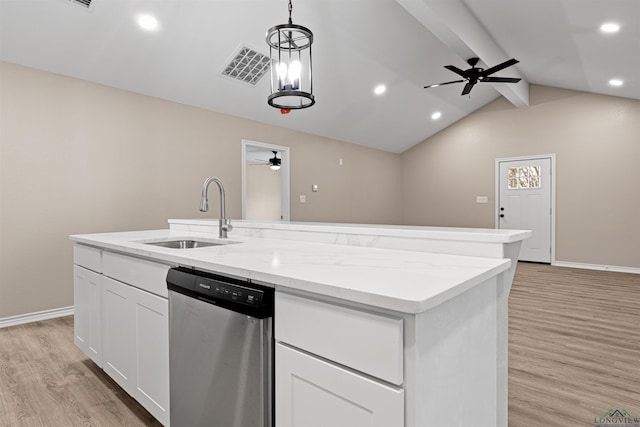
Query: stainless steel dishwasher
[[220, 350]]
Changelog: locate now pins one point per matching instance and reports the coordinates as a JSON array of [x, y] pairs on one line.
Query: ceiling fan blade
[[501, 80], [457, 70], [499, 67], [442, 84], [467, 88]]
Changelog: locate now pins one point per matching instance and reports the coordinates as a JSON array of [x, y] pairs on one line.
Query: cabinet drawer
[[146, 275], [368, 342], [314, 392], [88, 257]]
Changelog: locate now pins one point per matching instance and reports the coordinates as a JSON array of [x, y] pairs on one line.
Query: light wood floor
[[46, 381], [574, 353], [574, 345]]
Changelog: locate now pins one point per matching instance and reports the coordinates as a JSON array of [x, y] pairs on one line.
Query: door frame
[[284, 175], [552, 158]]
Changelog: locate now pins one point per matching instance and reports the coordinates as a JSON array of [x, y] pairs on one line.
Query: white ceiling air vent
[[247, 66], [84, 3]]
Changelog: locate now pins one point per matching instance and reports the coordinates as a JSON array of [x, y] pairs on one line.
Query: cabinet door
[[311, 392], [152, 354], [119, 355], [87, 322]]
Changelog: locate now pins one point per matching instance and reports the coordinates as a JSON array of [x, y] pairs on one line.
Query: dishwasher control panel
[[229, 292], [238, 294]]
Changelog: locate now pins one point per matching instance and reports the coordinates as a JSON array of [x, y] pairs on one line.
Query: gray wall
[[78, 157], [596, 140]]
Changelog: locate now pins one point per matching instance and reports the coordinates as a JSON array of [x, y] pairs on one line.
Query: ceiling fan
[[274, 162], [477, 75]]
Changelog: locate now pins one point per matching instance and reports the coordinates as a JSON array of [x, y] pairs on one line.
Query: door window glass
[[523, 177]]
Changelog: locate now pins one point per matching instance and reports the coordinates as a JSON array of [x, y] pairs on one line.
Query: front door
[[524, 203]]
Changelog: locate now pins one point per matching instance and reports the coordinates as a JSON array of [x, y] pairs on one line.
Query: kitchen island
[[385, 324]]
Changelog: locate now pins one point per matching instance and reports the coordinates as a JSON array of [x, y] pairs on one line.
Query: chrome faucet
[[225, 224]]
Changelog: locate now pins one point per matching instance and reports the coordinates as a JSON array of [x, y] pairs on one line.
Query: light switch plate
[[482, 199], [314, 187], [303, 198]]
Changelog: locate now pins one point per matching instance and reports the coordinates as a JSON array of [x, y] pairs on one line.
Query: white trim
[[35, 317], [284, 170], [583, 266], [552, 158]]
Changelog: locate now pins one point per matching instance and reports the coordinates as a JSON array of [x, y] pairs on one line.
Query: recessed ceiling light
[[380, 89], [609, 27], [436, 115], [615, 82], [148, 22]]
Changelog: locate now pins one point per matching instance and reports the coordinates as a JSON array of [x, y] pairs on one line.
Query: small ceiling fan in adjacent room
[[478, 75], [274, 162]]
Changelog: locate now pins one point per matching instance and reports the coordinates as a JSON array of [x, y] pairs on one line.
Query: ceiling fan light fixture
[[275, 162], [291, 66]]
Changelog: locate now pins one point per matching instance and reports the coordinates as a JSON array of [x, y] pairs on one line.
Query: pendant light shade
[[290, 54]]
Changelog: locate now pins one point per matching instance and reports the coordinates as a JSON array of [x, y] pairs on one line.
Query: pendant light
[[290, 54]]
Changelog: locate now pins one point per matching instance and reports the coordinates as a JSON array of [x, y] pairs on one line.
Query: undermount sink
[[186, 243]]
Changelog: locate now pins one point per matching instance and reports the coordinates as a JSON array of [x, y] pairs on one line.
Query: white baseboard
[[34, 317], [597, 267]]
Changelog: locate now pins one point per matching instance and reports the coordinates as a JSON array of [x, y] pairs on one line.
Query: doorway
[[525, 189], [265, 192]]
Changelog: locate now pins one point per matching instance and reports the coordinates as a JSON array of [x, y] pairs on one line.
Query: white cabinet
[[136, 331], [311, 392], [118, 331], [331, 361], [122, 322], [87, 295], [136, 337], [152, 354]]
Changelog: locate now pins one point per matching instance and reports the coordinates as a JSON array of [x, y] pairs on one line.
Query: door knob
[[501, 215]]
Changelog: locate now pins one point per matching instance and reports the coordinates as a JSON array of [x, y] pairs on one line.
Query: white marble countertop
[[488, 235], [398, 280]]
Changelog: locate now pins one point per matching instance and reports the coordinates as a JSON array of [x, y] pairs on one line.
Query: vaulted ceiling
[[358, 45]]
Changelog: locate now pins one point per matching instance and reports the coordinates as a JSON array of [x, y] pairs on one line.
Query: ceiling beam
[[453, 23]]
